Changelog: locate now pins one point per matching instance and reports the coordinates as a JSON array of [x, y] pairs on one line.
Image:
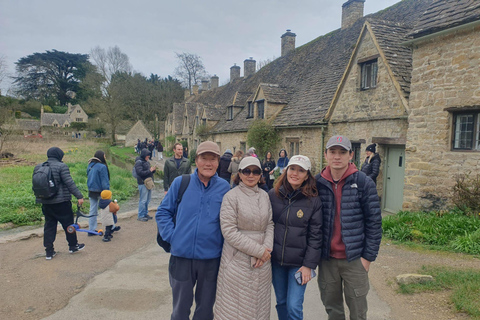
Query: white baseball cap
[[301, 161]]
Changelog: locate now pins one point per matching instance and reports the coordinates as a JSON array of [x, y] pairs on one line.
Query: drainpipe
[[322, 147]]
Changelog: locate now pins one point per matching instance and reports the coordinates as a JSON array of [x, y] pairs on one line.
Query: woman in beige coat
[[244, 278]]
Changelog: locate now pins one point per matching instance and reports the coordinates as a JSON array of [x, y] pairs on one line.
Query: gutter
[[441, 33]]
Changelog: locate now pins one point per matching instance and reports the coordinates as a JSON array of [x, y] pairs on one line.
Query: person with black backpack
[[56, 199]]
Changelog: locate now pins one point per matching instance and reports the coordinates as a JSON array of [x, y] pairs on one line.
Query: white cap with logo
[[301, 161]]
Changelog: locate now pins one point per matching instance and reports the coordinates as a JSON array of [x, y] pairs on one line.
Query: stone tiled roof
[[313, 71], [24, 124], [399, 57], [49, 118], [215, 113], [445, 14], [276, 94], [241, 98]]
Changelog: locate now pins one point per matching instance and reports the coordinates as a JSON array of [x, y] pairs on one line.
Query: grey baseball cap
[[340, 141]]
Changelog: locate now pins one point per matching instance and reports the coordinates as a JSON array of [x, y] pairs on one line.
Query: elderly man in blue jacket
[[352, 231], [196, 239]]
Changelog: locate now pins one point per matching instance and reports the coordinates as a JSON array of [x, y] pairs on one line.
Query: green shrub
[[466, 194]]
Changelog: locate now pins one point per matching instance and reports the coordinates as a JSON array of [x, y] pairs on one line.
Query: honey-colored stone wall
[[446, 73]]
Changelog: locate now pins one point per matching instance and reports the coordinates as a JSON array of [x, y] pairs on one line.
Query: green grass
[[17, 203], [463, 284], [126, 154], [446, 231]]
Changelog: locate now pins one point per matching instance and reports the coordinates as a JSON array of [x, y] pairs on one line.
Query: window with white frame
[[466, 131], [368, 74]]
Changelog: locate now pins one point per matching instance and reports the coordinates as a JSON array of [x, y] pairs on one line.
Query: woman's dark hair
[[266, 155], [286, 155], [308, 188], [100, 155], [236, 179]]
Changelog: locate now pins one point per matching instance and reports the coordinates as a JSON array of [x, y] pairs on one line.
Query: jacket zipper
[[286, 228]]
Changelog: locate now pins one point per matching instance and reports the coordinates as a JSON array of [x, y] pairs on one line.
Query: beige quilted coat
[[243, 292]]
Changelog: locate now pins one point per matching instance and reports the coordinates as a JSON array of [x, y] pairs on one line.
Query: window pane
[[260, 107], [463, 131], [477, 142]]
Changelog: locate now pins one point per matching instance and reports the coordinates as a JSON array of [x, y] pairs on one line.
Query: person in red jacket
[[352, 231]]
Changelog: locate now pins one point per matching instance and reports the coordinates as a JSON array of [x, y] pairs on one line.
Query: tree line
[[103, 82]]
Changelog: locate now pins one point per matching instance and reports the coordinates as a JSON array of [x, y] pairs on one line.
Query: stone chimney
[[204, 85], [234, 72], [352, 10], [249, 66], [186, 94], [288, 42], [195, 89], [214, 82]]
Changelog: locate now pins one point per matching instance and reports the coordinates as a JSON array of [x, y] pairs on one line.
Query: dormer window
[[197, 121], [368, 71], [466, 131], [250, 109], [261, 109], [204, 121], [229, 113]]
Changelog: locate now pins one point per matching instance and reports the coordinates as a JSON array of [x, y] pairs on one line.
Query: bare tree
[[110, 62], [3, 68], [190, 69]]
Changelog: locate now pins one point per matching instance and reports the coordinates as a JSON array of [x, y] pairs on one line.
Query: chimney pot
[[214, 81], [234, 72], [352, 10], [288, 42], [249, 66]]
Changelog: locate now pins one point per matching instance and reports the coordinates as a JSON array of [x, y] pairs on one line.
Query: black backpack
[[43, 183], [183, 186]]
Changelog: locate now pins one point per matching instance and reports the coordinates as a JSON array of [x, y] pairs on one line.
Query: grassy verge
[[126, 154], [451, 231], [463, 284], [438, 231], [17, 203]]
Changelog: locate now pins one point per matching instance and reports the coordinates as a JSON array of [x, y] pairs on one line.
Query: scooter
[[76, 227]]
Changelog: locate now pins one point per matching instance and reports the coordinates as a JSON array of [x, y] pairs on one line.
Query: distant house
[[74, 114], [138, 131], [28, 126]]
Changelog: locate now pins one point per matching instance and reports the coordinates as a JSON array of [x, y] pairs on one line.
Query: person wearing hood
[[233, 167], [352, 231], [297, 242], [144, 171], [371, 166], [225, 161], [98, 179], [282, 162], [59, 207], [108, 209]]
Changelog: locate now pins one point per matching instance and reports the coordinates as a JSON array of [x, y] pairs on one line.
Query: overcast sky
[[222, 32]]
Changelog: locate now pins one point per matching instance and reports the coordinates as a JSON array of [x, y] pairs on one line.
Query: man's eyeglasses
[[255, 172]]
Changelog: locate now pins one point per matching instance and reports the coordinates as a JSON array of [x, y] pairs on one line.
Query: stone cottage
[[378, 79], [138, 131], [74, 114]]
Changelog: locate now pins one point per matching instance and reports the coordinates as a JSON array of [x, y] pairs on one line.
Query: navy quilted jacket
[[360, 216]]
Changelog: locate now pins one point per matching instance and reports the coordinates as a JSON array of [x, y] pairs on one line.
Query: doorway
[[394, 179]]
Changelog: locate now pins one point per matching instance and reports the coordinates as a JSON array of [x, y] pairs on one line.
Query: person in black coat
[[371, 166], [267, 166], [225, 161], [297, 214]]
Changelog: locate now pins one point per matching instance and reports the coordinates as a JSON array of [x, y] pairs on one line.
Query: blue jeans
[[92, 221], [145, 196], [288, 292]]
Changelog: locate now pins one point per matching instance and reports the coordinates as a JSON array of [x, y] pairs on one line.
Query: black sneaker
[[106, 239], [50, 256], [142, 219], [149, 217], [78, 247], [92, 234], [117, 228]]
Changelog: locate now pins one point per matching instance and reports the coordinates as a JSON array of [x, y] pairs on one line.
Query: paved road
[[137, 288]]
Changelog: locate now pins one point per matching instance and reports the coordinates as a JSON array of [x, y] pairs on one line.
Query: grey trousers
[[184, 275], [338, 277]]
